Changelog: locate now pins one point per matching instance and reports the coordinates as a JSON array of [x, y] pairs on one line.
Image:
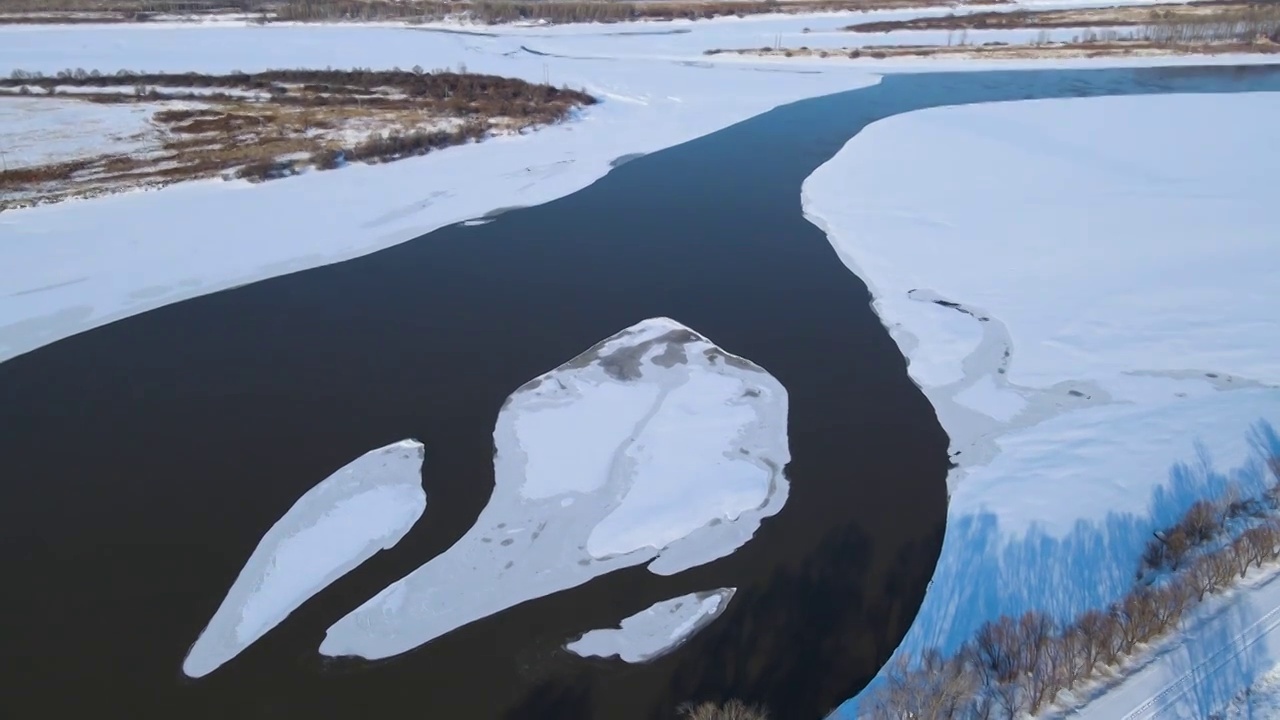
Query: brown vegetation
[[276, 123], [1019, 665], [732, 710], [1101, 17]]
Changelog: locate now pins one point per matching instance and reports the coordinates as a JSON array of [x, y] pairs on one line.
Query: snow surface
[[366, 506], [1215, 668], [1261, 700], [656, 630], [60, 275], [34, 131], [600, 499], [1128, 362]]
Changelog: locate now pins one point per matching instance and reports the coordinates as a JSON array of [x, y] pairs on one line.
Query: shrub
[[265, 170], [731, 710]]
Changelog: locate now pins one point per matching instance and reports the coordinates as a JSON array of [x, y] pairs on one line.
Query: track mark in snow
[[406, 211], [1193, 676]]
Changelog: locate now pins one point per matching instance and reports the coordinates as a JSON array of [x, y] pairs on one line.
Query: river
[[144, 459]]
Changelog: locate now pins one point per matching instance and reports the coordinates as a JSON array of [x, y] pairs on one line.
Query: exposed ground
[[486, 11], [1101, 17], [154, 130]]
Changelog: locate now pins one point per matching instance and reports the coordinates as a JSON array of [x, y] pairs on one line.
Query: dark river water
[[141, 462]]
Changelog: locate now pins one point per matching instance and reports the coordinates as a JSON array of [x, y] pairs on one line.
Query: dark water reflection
[[142, 461]]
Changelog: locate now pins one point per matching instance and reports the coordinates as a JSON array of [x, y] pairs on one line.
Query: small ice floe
[[655, 631], [366, 506]]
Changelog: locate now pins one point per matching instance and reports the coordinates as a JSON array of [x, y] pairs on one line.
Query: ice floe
[[656, 630], [654, 446], [366, 506]]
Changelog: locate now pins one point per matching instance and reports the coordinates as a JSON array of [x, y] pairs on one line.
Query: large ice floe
[[366, 506], [1092, 315], [654, 446], [656, 630]]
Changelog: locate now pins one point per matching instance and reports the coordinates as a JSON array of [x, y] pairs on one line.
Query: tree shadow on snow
[[984, 572]]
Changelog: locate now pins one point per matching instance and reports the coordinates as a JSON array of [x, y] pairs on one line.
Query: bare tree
[[1177, 545], [1259, 544], [995, 651], [1223, 567], [1070, 656], [1202, 577], [1201, 522], [1036, 632], [1100, 632], [895, 697], [1135, 615], [1169, 602], [1240, 554]]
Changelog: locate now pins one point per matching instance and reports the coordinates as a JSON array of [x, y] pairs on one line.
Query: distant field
[[488, 11]]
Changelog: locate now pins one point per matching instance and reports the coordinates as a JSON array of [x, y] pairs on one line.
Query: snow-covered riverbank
[[71, 267], [1087, 299]]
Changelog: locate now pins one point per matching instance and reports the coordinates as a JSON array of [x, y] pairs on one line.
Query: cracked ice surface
[[656, 630], [366, 506], [655, 446]]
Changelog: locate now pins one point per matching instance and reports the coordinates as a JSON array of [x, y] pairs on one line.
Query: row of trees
[[560, 11], [416, 83], [1019, 665]]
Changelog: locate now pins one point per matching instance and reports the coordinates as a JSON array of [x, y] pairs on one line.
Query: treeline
[[416, 83], [559, 11], [1251, 25], [1019, 665], [1256, 22], [484, 11]]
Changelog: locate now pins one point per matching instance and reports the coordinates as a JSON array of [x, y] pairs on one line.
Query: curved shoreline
[[1007, 434]]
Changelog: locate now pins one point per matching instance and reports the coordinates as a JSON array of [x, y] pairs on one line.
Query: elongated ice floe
[[366, 506], [653, 446], [656, 630]]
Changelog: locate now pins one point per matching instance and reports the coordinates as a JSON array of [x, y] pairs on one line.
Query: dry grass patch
[[277, 123]]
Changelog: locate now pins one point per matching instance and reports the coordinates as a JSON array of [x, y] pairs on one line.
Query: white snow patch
[[1127, 364], [1261, 700], [607, 413], [678, 486], [366, 506], [35, 131], [662, 380], [999, 403], [656, 630], [938, 343]]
